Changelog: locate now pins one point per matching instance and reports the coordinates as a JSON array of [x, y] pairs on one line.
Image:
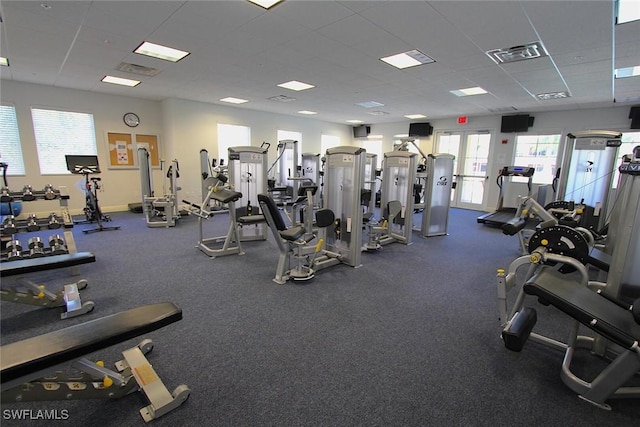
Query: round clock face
[[131, 119]]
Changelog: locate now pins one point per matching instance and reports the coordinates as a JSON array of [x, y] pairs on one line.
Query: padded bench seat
[[251, 219], [224, 195], [22, 358], [25, 266], [585, 305]]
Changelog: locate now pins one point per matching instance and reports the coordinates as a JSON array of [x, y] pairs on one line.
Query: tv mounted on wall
[[420, 129], [516, 123], [361, 131]]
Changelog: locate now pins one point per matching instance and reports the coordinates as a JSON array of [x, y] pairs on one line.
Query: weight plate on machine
[[561, 240]]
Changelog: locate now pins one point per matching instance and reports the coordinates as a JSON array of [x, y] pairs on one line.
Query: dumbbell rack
[[37, 294], [54, 222]]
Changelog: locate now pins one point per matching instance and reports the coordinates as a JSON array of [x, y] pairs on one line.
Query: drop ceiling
[[241, 50]]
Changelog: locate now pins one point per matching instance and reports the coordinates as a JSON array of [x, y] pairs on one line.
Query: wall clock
[[131, 119]]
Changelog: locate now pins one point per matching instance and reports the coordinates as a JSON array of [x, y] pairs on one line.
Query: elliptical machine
[[88, 165]]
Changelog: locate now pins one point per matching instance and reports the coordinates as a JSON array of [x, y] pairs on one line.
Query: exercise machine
[[25, 291], [310, 170], [504, 214], [589, 159], [248, 176], [623, 238], [213, 175], [160, 211], [343, 183], [228, 244], [293, 241], [29, 368], [611, 309], [437, 195], [397, 196], [88, 165], [285, 186]]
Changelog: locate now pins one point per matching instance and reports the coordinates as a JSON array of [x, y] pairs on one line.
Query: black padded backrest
[[394, 207], [325, 217], [268, 203], [365, 196], [302, 190]]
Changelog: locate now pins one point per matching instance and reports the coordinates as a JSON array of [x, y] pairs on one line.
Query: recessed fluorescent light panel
[[408, 59], [120, 81], [267, 4], [469, 91], [296, 85], [370, 104], [355, 121], [621, 73], [415, 116], [233, 100], [307, 112], [161, 52], [628, 11], [552, 95], [4, 61], [377, 113]]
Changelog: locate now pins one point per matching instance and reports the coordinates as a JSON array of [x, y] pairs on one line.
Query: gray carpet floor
[[410, 338]]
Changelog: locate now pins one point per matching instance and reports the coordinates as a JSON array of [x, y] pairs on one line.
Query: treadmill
[[503, 214]]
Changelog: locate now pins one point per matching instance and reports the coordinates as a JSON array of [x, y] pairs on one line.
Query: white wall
[[192, 126], [186, 127], [183, 127]]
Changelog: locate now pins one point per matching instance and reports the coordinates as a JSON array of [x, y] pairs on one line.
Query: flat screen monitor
[[420, 129], [361, 131], [82, 163], [517, 123]]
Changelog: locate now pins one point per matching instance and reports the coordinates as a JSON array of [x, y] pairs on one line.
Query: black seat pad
[[224, 195], [24, 266], [585, 305], [292, 234], [46, 351]]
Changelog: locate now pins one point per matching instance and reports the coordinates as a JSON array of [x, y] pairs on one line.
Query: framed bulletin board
[[150, 142], [121, 155]]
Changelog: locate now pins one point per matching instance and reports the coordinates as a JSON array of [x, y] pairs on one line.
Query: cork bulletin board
[[121, 155]]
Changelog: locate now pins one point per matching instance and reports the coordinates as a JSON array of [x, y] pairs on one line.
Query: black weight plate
[[561, 240]]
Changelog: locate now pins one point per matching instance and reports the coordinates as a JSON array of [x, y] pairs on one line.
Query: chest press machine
[[28, 367], [611, 310]]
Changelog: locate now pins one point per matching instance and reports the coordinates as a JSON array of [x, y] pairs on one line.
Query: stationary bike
[[88, 165]]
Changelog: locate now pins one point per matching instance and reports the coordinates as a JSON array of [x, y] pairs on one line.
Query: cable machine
[[591, 159], [397, 197], [248, 175]]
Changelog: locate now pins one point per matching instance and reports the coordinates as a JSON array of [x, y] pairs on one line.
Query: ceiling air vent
[[517, 53], [137, 69], [282, 98]]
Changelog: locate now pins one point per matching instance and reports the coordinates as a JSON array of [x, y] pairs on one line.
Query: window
[[373, 146], [629, 141], [328, 141], [59, 133], [231, 136], [540, 152], [10, 148]]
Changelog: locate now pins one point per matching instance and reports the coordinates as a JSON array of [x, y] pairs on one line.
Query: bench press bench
[[28, 292], [28, 367], [615, 321]]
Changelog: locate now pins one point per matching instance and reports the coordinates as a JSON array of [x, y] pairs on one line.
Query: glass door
[[470, 166]]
